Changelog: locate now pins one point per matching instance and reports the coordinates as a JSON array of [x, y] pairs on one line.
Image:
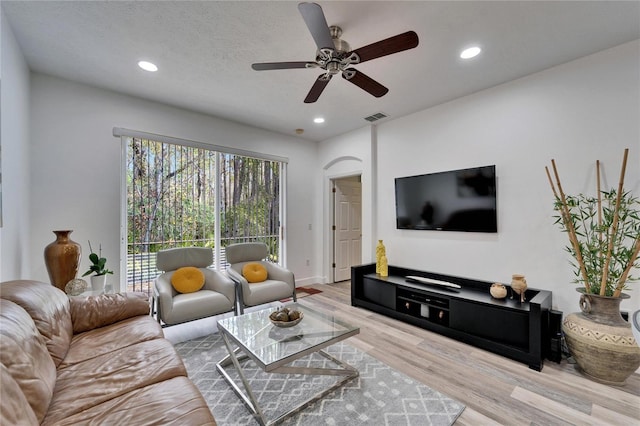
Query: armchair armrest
[[164, 293], [240, 282], [164, 289], [236, 276], [278, 273], [92, 312], [215, 281]]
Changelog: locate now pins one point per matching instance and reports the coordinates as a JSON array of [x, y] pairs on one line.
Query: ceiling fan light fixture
[[148, 66], [470, 52], [334, 55], [318, 120]]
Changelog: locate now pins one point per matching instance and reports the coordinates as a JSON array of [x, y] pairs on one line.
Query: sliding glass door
[[180, 195]]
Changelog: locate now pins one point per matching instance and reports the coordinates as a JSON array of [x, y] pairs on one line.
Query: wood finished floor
[[496, 390]]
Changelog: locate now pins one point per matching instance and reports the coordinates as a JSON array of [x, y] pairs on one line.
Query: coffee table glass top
[[271, 346]]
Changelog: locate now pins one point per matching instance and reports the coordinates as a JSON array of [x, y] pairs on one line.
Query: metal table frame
[[234, 357]]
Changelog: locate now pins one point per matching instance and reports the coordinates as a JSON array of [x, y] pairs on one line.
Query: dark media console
[[519, 331]]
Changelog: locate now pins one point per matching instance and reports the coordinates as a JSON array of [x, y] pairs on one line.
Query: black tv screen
[[456, 200]]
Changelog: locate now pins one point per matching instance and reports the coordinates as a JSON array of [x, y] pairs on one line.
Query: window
[[250, 202], [181, 195]]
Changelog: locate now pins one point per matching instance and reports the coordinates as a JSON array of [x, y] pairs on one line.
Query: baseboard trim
[[303, 282]]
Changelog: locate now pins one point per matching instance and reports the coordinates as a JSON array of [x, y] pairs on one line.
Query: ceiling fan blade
[[395, 44], [264, 66], [364, 82], [317, 88], [317, 24]]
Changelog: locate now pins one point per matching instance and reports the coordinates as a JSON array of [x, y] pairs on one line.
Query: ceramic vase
[[519, 286], [384, 266], [600, 340], [62, 258], [498, 291], [380, 251]]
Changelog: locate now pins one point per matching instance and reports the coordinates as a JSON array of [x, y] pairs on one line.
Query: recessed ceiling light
[[318, 120], [148, 66], [470, 52]]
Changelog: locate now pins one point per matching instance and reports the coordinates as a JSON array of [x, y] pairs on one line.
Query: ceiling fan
[[334, 54]]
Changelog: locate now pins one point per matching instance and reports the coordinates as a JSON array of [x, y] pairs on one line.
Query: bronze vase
[[600, 340], [62, 258]]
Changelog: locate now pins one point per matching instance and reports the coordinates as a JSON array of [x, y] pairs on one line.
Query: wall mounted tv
[[456, 200]]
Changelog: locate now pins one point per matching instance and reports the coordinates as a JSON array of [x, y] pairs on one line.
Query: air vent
[[376, 117]]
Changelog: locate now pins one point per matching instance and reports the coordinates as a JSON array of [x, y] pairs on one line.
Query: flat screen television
[[456, 200]]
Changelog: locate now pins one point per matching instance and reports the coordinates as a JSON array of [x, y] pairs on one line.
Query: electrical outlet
[[309, 227], [308, 262]]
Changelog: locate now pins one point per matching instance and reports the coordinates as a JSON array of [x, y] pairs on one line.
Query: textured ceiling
[[204, 51]]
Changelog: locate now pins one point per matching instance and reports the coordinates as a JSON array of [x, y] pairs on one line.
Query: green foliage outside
[[171, 198]]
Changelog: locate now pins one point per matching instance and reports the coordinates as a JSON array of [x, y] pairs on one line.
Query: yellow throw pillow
[[254, 272], [188, 279]]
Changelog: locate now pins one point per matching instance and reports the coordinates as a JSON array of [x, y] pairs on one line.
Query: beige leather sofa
[[89, 360]]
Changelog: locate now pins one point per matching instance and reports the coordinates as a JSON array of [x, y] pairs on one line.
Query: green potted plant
[[98, 267], [604, 242]]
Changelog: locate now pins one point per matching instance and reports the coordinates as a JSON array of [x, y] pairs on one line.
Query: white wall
[[15, 260], [347, 155], [577, 113], [75, 166]]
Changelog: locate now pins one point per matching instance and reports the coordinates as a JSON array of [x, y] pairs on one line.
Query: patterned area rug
[[380, 396]]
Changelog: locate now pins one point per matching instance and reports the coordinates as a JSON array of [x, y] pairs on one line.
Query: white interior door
[[347, 226]]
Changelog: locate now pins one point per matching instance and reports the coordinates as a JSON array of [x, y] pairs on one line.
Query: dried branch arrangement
[[604, 233]]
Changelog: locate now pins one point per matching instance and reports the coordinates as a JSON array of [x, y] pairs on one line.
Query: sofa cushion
[[25, 356], [190, 306], [14, 407], [48, 306], [97, 311], [173, 402], [110, 338], [86, 384], [267, 291]]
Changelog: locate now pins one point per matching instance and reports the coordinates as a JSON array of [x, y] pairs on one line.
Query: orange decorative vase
[[62, 258]]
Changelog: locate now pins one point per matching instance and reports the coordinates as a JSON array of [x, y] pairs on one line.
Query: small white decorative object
[[76, 287]]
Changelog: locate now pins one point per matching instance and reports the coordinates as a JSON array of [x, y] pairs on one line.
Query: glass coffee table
[[273, 348]]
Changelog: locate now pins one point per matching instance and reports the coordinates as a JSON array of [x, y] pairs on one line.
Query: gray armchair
[[217, 296], [280, 282]]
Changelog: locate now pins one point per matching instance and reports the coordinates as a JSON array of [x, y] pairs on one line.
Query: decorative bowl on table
[[284, 317]]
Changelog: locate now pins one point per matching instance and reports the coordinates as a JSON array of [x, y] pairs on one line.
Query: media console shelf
[[505, 326]]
